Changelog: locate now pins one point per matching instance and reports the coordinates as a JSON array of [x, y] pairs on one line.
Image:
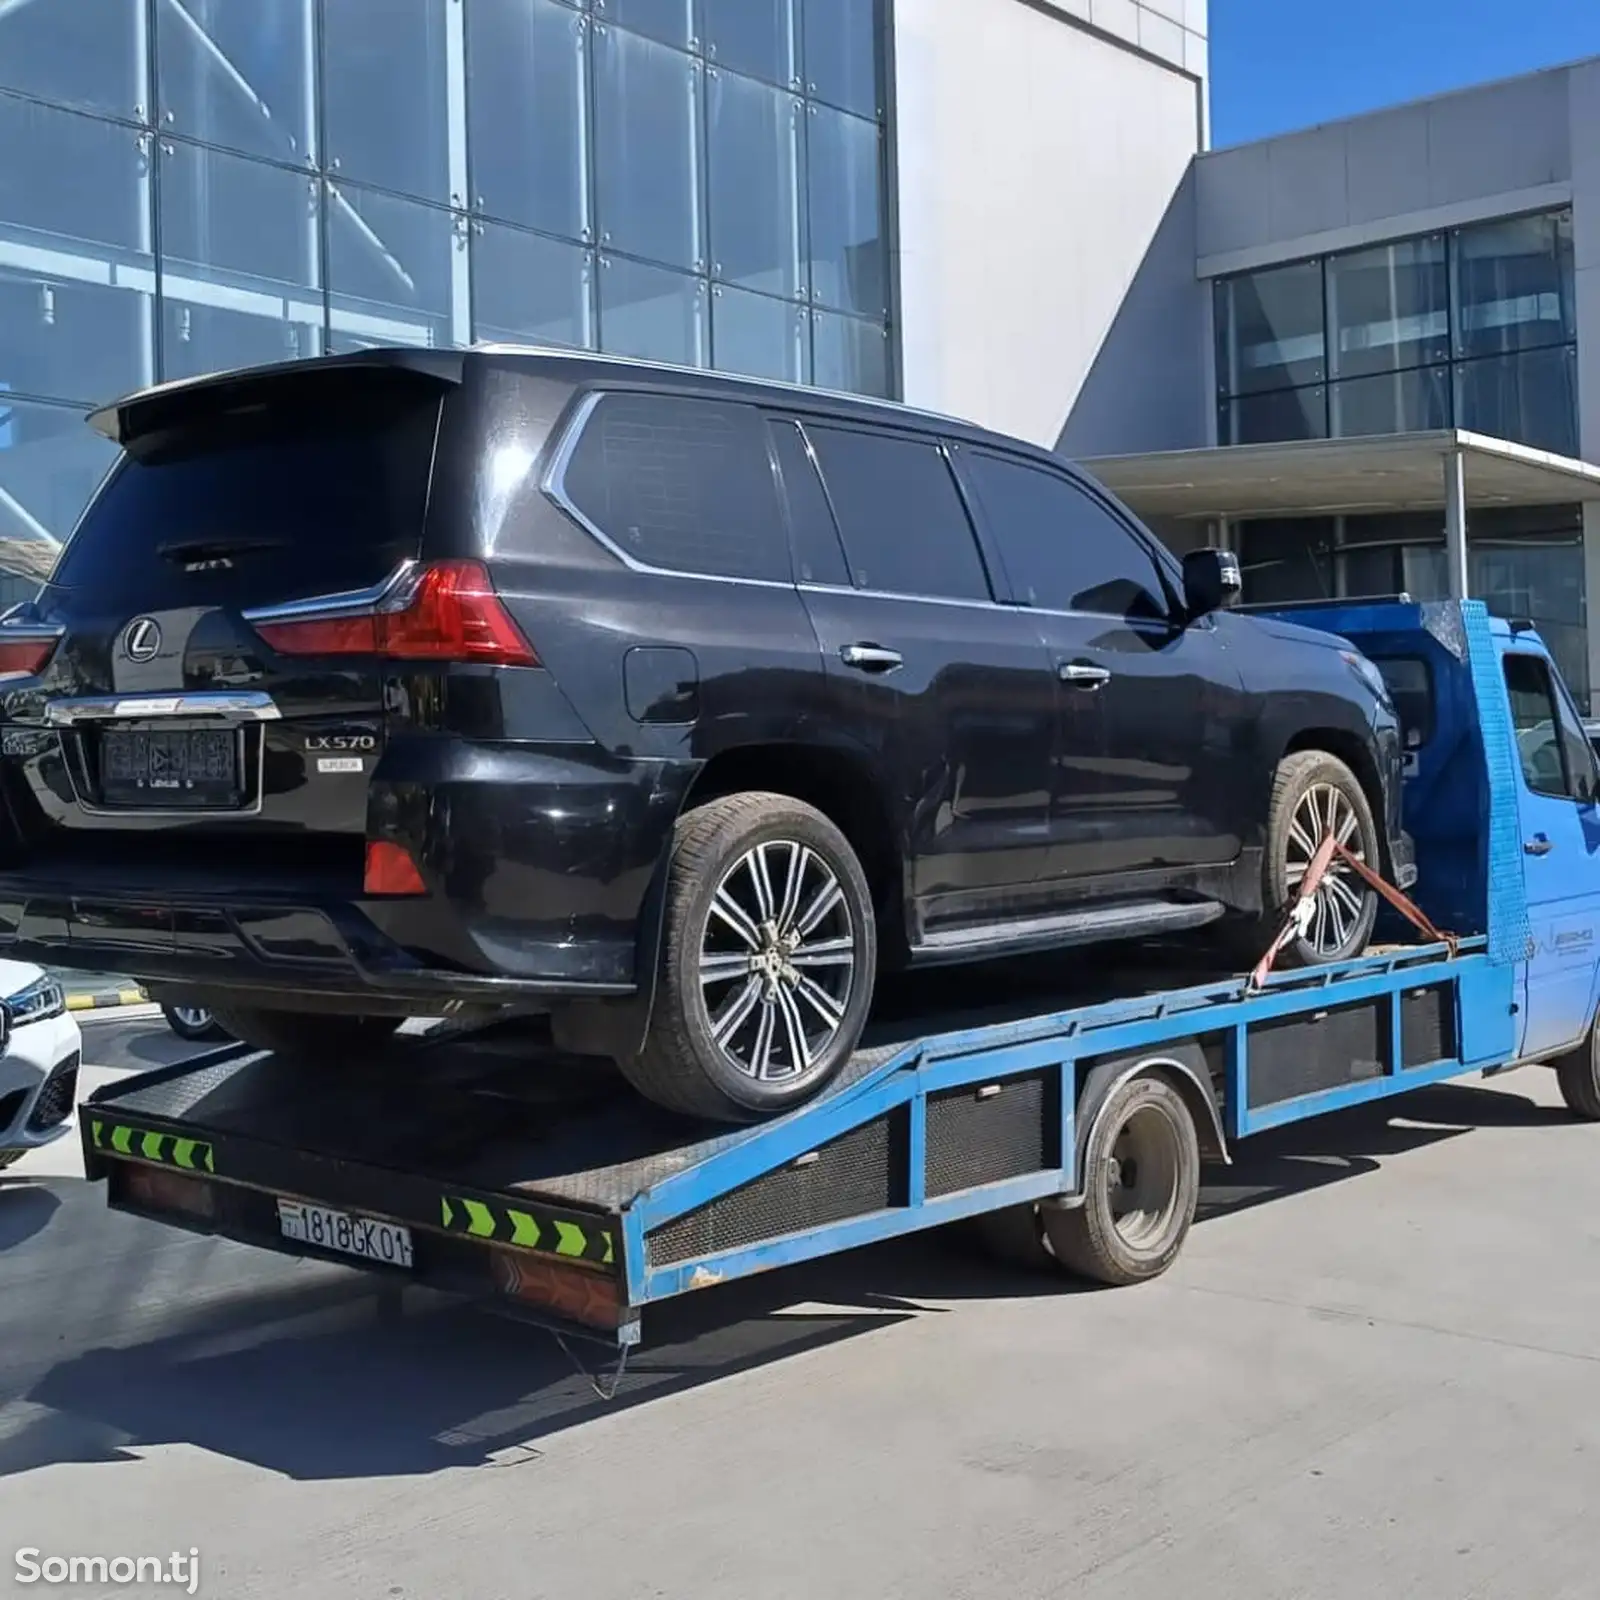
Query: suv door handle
[[1538, 845], [1084, 674], [871, 657]]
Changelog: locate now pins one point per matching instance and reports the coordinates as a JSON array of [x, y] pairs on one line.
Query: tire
[[1306, 785], [683, 1065], [1143, 1150], [194, 1023], [297, 1035], [1578, 1078], [1014, 1237]]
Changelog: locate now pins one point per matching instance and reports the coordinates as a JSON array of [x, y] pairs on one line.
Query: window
[[817, 554], [1063, 550], [680, 484], [1471, 329], [1411, 688], [1556, 756], [904, 528]]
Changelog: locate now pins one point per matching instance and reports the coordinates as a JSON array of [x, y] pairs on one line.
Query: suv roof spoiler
[[147, 410]]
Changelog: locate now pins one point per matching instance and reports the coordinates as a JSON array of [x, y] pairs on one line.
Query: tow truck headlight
[[41, 1000]]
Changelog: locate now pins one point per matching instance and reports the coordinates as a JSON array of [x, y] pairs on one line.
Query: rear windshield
[[299, 487]]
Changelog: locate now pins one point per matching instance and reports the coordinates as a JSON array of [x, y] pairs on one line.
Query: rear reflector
[[23, 658], [390, 870], [447, 611], [167, 1191]]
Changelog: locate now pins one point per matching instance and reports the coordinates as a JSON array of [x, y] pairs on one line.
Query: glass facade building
[[202, 184], [1474, 328]]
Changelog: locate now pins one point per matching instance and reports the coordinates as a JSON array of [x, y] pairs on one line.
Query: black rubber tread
[[298, 1035], [195, 1035], [1296, 773], [1578, 1078], [1084, 1238], [671, 1069], [1014, 1236]]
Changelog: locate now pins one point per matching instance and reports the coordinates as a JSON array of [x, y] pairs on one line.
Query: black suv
[[673, 705]]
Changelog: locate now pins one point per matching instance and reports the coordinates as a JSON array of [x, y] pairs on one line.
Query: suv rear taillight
[[26, 648], [446, 611]]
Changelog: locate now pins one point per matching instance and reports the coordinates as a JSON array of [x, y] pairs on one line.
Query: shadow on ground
[[324, 1376]]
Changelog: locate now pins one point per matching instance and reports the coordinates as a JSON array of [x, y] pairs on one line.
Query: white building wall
[[1046, 229]]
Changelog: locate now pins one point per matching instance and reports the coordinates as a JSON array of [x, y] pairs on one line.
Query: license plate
[[362, 1237], [169, 767]]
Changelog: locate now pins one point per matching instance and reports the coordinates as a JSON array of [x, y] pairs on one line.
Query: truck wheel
[[767, 962], [1578, 1077], [296, 1035], [1014, 1236], [1315, 794], [1141, 1183]]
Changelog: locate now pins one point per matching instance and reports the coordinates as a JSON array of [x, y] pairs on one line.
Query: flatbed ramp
[[550, 1189]]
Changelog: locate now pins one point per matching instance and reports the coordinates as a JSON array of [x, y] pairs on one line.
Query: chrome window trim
[[239, 705], [348, 602], [553, 485]]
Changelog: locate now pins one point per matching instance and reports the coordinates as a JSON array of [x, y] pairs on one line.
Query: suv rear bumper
[[374, 951], [538, 867]]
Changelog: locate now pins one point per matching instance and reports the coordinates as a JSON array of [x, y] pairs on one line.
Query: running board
[[1139, 919]]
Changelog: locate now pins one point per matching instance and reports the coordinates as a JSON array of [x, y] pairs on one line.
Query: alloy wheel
[[1340, 899], [777, 960]]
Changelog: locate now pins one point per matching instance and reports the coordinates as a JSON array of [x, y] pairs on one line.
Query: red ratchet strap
[[1315, 872]]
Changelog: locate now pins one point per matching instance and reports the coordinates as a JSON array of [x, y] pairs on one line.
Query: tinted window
[[305, 484], [817, 553], [900, 515], [1062, 549], [1411, 689], [1555, 754], [681, 484]]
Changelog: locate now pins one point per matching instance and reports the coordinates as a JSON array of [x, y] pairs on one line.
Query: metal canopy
[[1327, 477]]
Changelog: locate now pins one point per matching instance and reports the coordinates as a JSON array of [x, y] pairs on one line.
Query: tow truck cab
[[1518, 729]]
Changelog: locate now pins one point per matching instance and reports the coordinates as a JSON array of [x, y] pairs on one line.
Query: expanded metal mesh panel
[[1427, 1025], [984, 1134], [56, 1098], [1318, 1050], [851, 1177]]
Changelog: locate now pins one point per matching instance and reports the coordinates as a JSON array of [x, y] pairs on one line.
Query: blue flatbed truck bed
[[1069, 1115]]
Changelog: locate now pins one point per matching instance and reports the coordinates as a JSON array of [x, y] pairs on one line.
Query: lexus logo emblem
[[143, 639]]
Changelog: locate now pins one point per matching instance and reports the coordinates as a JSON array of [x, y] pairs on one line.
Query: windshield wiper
[[216, 549]]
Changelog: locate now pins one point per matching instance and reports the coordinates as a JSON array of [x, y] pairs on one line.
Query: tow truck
[[1061, 1108]]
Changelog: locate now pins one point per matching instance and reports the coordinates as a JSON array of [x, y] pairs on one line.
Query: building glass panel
[[212, 183], [387, 95], [238, 76], [240, 269], [89, 54], [528, 71], [1522, 562], [757, 334], [77, 272], [527, 289], [1389, 307], [1474, 329]]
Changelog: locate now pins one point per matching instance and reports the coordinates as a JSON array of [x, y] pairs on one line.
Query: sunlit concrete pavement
[[1376, 1371]]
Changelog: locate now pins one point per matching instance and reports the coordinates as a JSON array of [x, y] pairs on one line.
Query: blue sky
[[1281, 64]]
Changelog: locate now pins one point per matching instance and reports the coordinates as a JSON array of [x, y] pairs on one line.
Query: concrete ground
[[1375, 1372]]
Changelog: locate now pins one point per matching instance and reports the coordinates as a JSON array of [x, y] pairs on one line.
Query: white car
[[41, 1049]]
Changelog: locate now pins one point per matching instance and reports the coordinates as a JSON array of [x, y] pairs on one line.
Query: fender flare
[[1183, 1065]]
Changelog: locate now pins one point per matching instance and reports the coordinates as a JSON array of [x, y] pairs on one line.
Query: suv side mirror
[[1212, 581]]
